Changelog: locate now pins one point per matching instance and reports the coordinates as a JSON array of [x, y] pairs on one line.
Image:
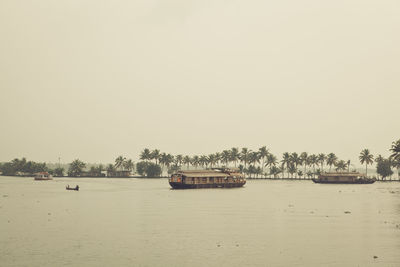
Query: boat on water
[[76, 188], [343, 178], [43, 176], [213, 178]]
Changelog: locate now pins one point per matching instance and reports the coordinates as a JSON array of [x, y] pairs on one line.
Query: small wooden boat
[[76, 188]]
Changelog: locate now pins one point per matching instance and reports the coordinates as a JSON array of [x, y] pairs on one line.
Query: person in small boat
[[77, 187]]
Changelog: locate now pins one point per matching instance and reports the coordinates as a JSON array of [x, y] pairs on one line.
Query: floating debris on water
[[347, 212], [375, 257]]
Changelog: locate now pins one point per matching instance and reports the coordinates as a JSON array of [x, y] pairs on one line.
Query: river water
[[142, 222]]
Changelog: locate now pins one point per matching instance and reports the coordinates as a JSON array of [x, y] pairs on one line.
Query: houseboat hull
[[369, 181], [177, 185]]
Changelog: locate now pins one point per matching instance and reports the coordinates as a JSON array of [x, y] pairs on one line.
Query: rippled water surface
[[142, 222]]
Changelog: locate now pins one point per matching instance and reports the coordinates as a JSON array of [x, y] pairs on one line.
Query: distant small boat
[[76, 188], [43, 176], [343, 178]]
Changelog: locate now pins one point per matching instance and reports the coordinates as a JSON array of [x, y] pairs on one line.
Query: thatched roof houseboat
[[343, 178], [217, 177]]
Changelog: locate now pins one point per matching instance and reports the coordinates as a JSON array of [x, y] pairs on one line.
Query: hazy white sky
[[94, 79]]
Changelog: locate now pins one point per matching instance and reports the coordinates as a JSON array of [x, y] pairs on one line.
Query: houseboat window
[[204, 179]]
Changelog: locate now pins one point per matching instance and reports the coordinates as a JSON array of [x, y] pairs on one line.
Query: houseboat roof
[[341, 174], [209, 173]]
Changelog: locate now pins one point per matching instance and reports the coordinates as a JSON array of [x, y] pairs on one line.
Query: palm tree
[[321, 160], [244, 156], [163, 159], [217, 156], [341, 165], [300, 173], [331, 160], [271, 161], [263, 153], [119, 162], [212, 159], [146, 154], [379, 158], [395, 156], [128, 165], [187, 161], [367, 158], [285, 161], [169, 160], [76, 168], [303, 158], [234, 155], [203, 160], [179, 160], [395, 149], [225, 157], [291, 169], [295, 159], [313, 160], [110, 169], [155, 154], [254, 158], [258, 171], [195, 161], [275, 171]]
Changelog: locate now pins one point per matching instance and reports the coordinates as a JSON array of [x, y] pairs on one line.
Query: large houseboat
[[42, 176], [343, 178], [217, 177]]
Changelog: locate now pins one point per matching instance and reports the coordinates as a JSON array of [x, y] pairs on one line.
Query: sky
[[97, 79]]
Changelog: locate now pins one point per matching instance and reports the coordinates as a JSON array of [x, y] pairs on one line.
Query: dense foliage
[[383, 168], [76, 168], [22, 167], [148, 169]]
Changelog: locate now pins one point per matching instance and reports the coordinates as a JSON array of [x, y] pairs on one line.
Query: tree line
[[255, 164], [262, 163]]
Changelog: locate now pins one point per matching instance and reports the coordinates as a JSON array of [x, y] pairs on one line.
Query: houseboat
[[42, 176], [343, 178], [217, 177]]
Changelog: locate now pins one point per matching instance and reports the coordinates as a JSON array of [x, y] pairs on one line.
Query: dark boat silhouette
[[76, 188], [343, 178]]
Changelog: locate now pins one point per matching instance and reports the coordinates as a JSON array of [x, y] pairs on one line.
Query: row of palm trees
[[121, 163], [262, 163]]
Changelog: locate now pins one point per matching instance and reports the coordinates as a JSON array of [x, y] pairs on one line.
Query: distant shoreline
[[166, 177]]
